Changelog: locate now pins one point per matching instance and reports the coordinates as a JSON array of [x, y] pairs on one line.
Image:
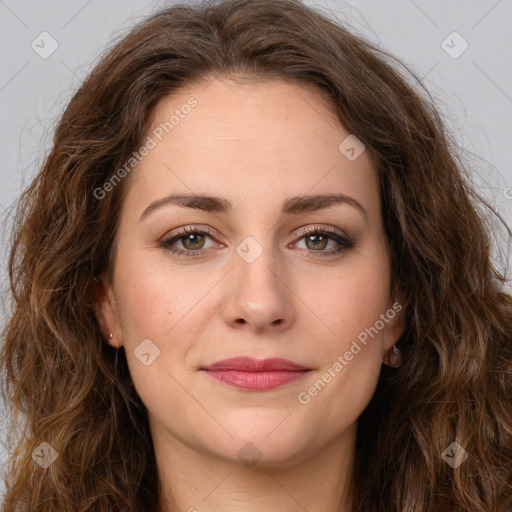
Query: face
[[263, 271]]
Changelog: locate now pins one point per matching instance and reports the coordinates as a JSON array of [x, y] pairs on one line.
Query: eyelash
[[344, 241]]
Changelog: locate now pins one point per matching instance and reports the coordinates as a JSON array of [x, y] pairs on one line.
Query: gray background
[[473, 91]]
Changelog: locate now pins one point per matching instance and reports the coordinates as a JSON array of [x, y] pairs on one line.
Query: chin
[[267, 445]]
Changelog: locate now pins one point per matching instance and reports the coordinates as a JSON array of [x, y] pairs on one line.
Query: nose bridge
[[257, 235], [257, 263], [258, 294]]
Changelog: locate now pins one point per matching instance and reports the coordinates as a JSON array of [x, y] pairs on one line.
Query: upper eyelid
[[302, 231], [184, 231]]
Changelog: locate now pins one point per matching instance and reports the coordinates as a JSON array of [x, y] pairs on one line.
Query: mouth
[[254, 374]]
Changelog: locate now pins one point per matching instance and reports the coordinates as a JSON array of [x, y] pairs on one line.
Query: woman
[[251, 275]]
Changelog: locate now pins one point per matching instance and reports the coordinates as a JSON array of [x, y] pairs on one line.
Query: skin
[[256, 145]]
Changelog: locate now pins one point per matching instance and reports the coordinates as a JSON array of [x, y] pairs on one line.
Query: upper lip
[[250, 364]]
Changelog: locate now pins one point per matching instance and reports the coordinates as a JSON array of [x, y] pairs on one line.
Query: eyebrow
[[292, 206]]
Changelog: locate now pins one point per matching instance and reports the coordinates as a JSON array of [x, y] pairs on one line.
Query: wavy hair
[[66, 386]]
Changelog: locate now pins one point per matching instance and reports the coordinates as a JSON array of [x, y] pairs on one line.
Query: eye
[[316, 240], [192, 239]]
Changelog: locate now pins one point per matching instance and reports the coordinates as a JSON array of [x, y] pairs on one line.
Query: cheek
[[354, 302], [148, 307], [163, 305], [352, 352], [153, 296], [154, 307]]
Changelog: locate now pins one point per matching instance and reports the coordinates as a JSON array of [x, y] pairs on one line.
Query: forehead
[[255, 143]]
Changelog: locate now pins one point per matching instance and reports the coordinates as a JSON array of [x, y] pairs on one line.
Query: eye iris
[[322, 244], [192, 238]]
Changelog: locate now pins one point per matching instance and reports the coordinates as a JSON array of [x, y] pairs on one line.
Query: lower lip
[[256, 381]]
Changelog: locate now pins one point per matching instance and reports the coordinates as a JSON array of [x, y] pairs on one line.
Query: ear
[[396, 323], [102, 295]]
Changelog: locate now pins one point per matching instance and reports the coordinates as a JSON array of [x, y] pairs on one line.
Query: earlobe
[[104, 306]]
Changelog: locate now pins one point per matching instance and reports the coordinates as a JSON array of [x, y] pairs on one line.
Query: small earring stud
[[110, 336], [395, 359]]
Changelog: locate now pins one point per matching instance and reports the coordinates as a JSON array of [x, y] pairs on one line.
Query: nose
[[257, 294]]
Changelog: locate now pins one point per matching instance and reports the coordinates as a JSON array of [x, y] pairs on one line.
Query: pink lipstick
[[254, 374]]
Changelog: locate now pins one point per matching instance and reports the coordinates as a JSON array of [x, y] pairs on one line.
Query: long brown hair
[[66, 386]]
